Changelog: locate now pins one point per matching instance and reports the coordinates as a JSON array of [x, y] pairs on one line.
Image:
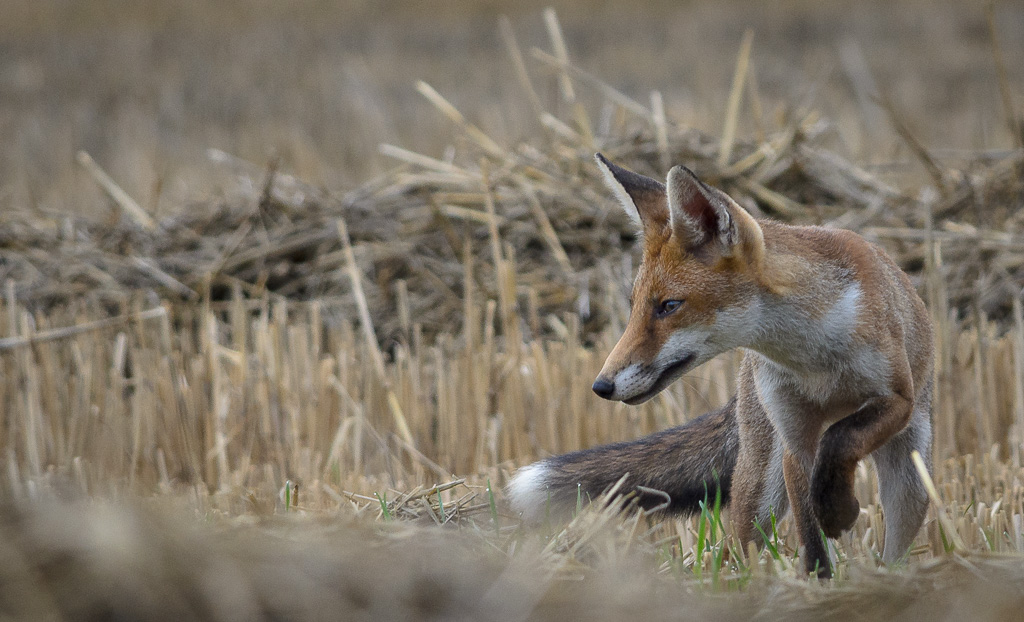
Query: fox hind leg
[[904, 498]]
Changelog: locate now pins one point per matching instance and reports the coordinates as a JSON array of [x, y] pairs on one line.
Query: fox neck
[[810, 327], [792, 334]]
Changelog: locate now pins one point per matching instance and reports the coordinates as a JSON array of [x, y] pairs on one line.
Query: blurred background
[[147, 87]]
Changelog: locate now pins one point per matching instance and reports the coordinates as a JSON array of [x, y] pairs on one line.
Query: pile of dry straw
[[529, 226]]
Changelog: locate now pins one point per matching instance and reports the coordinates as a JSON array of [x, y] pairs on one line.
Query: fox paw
[[834, 504], [837, 514]]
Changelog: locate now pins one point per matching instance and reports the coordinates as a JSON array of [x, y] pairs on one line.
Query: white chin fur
[[528, 492], [631, 382]]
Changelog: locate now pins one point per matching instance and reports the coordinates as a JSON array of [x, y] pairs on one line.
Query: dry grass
[[229, 404], [227, 410], [262, 407]]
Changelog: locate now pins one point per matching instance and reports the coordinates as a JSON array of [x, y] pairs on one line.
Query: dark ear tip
[[600, 158], [679, 169]]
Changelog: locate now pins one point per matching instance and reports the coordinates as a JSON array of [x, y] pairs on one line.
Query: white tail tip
[[528, 492]]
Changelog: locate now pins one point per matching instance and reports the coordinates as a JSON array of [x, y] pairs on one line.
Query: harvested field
[[299, 394]]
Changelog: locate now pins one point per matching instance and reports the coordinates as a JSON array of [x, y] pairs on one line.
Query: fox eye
[[667, 307]]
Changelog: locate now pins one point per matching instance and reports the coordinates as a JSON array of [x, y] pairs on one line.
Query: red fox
[[837, 367]]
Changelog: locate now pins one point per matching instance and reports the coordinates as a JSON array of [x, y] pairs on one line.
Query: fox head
[[696, 291]]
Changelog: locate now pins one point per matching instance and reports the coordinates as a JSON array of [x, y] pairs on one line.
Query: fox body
[[837, 367]]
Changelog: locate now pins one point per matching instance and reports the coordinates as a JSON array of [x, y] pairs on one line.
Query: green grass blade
[[772, 547], [383, 500]]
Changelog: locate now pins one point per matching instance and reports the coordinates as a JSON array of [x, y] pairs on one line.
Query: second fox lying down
[[837, 367]]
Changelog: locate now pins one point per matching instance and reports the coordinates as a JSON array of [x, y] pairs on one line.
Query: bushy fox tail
[[688, 463]]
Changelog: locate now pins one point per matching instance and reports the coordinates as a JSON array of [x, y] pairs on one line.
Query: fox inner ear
[[702, 215], [641, 197], [698, 213]]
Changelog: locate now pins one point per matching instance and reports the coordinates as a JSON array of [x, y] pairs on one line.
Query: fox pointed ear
[[701, 215], [642, 198]]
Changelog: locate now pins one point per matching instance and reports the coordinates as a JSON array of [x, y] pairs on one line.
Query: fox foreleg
[[845, 444], [815, 553]]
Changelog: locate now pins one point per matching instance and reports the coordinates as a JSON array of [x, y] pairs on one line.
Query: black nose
[[603, 388]]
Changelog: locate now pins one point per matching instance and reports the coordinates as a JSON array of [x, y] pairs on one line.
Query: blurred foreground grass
[[90, 560]]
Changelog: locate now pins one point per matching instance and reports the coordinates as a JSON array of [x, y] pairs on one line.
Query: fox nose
[[604, 388]]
